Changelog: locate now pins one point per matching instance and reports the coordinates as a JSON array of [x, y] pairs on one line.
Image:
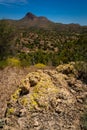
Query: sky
[[60, 11]]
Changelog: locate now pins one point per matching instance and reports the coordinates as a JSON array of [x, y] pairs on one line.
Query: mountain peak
[[29, 15]]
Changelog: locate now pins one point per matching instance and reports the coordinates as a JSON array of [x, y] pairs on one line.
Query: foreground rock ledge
[[47, 100]]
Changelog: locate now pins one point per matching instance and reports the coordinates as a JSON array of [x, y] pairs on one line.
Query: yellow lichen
[[33, 103], [15, 96], [40, 96], [10, 111], [24, 101]]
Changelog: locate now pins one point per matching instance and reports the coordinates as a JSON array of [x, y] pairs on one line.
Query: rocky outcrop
[[10, 78], [47, 100]]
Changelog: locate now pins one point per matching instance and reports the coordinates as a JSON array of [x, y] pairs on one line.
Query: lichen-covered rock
[[68, 69], [52, 101]]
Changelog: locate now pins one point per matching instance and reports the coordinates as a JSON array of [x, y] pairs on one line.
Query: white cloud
[[13, 1]]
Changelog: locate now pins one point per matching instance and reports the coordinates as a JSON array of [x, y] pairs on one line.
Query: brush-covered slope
[[32, 44]]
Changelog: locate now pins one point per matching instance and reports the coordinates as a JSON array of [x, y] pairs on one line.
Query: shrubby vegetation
[[81, 67], [3, 64], [40, 65], [13, 62], [84, 121], [33, 46]]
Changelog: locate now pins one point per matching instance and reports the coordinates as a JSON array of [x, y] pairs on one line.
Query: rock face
[[47, 100]]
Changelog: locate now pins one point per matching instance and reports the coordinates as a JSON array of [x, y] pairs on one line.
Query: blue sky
[[61, 11]]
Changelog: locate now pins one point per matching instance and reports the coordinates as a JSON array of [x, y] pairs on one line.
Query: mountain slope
[[31, 20]]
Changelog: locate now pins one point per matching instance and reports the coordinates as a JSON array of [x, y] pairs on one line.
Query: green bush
[[25, 63]]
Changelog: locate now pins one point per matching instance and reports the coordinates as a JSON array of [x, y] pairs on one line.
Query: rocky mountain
[[48, 100], [29, 16], [31, 20], [32, 17]]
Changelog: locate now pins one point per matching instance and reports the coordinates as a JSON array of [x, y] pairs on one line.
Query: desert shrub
[[3, 64], [40, 65], [81, 67], [25, 63], [84, 121], [13, 62], [25, 59]]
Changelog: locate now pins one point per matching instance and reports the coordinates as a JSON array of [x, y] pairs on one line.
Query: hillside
[[35, 40]]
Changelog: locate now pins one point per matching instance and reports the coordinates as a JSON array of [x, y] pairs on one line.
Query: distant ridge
[[31, 20]]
